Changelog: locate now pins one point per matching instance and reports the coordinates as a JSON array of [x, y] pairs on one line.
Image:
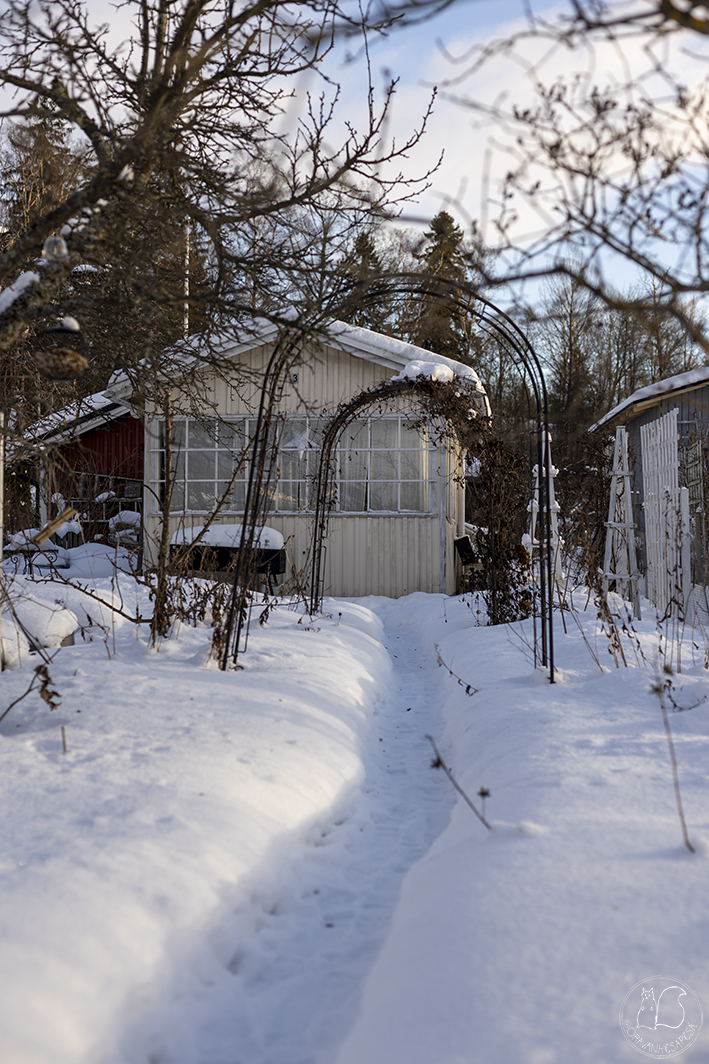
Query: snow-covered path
[[298, 956], [260, 868]]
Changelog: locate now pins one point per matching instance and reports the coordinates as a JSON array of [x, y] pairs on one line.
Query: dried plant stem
[[590, 649], [675, 774], [41, 676], [12, 705], [440, 763], [467, 687]]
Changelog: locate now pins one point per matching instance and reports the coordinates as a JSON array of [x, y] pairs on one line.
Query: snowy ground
[[262, 868]]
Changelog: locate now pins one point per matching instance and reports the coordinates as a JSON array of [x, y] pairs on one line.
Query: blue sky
[[416, 57], [472, 147], [477, 153]]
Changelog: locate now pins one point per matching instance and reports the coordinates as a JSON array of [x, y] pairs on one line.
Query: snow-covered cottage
[[667, 426], [399, 499]]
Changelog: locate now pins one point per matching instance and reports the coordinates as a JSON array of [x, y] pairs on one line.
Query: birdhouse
[[58, 357]]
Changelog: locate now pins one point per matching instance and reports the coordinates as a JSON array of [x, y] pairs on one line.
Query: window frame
[[372, 458]]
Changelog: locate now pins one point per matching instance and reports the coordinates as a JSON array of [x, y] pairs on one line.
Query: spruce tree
[[361, 269], [439, 323]]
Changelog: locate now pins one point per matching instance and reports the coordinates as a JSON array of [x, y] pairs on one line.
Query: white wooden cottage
[[400, 495]]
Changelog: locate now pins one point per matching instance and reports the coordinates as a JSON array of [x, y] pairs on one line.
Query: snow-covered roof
[[362, 343], [440, 368], [410, 361], [76, 419], [693, 378]]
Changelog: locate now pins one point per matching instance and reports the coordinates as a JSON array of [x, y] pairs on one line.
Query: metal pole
[[491, 540], [186, 315], [543, 507], [550, 561], [2, 529]]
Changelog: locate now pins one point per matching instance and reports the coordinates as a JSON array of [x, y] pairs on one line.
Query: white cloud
[[476, 151]]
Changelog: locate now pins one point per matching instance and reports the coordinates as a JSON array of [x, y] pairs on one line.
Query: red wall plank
[[112, 450]]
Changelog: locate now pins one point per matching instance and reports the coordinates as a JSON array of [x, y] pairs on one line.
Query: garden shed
[[667, 426], [91, 458], [397, 502]]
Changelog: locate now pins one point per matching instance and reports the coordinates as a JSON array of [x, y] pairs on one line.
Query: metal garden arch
[[490, 319]]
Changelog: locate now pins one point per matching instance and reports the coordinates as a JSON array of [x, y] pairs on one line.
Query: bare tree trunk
[[160, 622], [2, 527]]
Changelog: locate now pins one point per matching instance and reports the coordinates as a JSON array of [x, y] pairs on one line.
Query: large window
[[204, 458], [298, 459], [383, 465]]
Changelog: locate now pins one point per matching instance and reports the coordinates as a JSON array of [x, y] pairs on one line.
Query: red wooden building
[[92, 458]]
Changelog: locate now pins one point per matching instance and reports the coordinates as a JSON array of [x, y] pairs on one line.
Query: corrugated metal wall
[[692, 416], [366, 555], [326, 377]]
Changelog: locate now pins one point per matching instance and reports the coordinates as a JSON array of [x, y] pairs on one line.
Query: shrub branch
[[438, 762]]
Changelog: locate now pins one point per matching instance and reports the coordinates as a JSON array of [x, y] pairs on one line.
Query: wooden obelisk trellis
[[620, 560], [531, 542]]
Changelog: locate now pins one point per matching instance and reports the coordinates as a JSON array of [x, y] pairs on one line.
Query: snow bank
[[519, 947], [152, 875], [96, 608], [228, 536], [15, 647], [182, 790], [47, 622], [34, 620], [96, 560]]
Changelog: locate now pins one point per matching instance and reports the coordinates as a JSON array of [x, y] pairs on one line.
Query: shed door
[[658, 442]]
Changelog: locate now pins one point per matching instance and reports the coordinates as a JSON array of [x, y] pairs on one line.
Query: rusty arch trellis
[[491, 320]]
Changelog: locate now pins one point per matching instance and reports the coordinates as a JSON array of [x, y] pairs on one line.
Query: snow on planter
[[67, 527], [228, 536], [20, 544], [22, 540], [124, 519]]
